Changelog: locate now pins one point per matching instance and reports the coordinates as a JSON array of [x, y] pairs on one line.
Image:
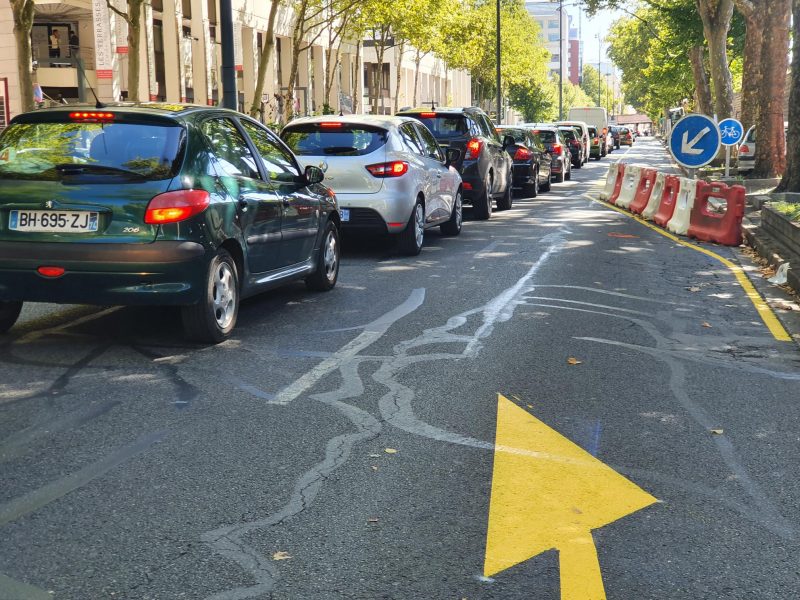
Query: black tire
[[545, 187], [482, 207], [212, 319], [532, 189], [507, 200], [327, 272], [560, 176], [411, 238], [568, 176], [9, 313], [453, 226], [577, 165]]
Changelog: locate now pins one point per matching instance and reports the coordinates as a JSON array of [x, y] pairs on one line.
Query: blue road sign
[[731, 132], [694, 141]]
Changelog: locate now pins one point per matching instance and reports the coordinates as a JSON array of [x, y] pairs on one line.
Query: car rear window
[[517, 134], [592, 132], [444, 126], [547, 136], [46, 151], [568, 134], [333, 139]]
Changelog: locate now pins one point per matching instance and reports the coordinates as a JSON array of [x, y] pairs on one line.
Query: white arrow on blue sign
[[731, 132], [694, 141]]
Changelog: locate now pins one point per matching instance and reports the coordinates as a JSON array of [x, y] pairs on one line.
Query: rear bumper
[[159, 273], [386, 211], [473, 183], [522, 175]]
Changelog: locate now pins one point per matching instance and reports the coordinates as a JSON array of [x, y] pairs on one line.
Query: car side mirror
[[508, 141], [451, 156], [314, 175]]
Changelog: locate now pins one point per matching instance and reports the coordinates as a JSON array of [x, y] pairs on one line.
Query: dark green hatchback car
[[157, 204]]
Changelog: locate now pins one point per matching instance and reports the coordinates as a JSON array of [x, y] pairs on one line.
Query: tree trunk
[[288, 103], [398, 69], [380, 49], [751, 83], [23, 23], [701, 83], [134, 34], [791, 176], [716, 16], [417, 62], [445, 101], [263, 61], [770, 143], [357, 91]]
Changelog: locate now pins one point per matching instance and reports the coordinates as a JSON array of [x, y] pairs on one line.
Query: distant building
[[555, 32], [575, 56]]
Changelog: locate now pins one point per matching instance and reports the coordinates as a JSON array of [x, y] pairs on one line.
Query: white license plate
[[53, 221], [344, 213]]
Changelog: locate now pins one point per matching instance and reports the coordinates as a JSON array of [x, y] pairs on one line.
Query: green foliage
[[790, 210]]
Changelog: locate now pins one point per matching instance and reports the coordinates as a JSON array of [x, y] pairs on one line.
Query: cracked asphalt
[[340, 445]]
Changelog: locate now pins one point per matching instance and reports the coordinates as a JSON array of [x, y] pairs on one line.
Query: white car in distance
[[389, 174]]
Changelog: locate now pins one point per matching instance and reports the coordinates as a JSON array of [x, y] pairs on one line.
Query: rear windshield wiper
[[79, 169], [339, 149]]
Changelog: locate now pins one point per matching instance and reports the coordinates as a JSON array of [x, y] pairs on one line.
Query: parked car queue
[[200, 207]]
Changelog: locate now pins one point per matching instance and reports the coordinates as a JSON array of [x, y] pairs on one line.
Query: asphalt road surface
[[558, 403]]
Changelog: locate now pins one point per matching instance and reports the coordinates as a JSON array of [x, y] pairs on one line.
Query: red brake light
[[557, 148], [522, 154], [389, 169], [427, 115], [50, 271], [171, 207], [91, 116], [330, 125], [473, 149], [744, 148]]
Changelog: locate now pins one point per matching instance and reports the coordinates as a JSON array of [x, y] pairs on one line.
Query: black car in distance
[[532, 161], [572, 139], [561, 167], [484, 164]]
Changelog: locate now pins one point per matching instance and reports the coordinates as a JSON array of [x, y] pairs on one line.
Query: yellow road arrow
[[548, 493]]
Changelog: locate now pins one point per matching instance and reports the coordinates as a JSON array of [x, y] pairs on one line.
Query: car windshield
[[546, 135], [48, 150], [333, 139], [444, 126]]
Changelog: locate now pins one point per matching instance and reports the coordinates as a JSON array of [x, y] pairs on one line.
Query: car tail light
[[466, 186], [171, 207], [557, 148], [595, 142], [50, 271], [330, 125], [474, 149], [744, 149], [523, 154], [91, 116], [389, 169]]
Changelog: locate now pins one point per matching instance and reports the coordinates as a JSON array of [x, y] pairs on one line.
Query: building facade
[[554, 25], [180, 58]]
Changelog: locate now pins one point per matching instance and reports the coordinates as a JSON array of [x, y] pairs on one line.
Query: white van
[[596, 116]]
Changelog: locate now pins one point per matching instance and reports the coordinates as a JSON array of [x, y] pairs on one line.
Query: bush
[[790, 210]]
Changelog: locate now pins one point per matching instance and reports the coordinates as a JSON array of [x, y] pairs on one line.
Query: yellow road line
[[765, 312]]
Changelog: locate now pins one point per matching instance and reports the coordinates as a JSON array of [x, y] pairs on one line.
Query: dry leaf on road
[[281, 555], [707, 325], [574, 361], [624, 236], [717, 431], [390, 451], [372, 520], [694, 289]]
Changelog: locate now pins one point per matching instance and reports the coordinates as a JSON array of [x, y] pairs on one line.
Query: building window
[[553, 24], [553, 37], [555, 58]]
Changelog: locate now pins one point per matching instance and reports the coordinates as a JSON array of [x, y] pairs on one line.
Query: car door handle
[[286, 201]]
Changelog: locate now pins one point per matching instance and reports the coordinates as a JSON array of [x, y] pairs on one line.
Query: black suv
[[484, 165]]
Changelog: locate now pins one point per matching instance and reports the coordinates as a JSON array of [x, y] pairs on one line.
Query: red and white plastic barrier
[[643, 191], [679, 223], [615, 171], [630, 183], [669, 195], [713, 224], [655, 197]]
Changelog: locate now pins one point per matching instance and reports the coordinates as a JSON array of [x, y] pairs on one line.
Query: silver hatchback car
[[389, 174]]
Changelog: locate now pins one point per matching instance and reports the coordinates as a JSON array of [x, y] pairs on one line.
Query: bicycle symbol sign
[[731, 132]]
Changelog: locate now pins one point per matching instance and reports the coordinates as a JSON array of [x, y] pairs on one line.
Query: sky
[[590, 27]]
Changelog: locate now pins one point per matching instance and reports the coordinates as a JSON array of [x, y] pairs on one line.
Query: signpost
[[731, 133], [694, 141]]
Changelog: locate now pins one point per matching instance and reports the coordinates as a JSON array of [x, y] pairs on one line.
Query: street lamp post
[[497, 58], [560, 59], [599, 56]]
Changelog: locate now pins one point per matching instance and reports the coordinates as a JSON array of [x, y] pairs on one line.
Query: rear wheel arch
[[235, 250]]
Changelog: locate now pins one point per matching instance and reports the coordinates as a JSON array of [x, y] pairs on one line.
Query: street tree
[[22, 13], [791, 176], [763, 88], [265, 53], [133, 17]]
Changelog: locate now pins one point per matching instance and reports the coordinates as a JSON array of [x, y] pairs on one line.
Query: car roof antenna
[[97, 103]]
